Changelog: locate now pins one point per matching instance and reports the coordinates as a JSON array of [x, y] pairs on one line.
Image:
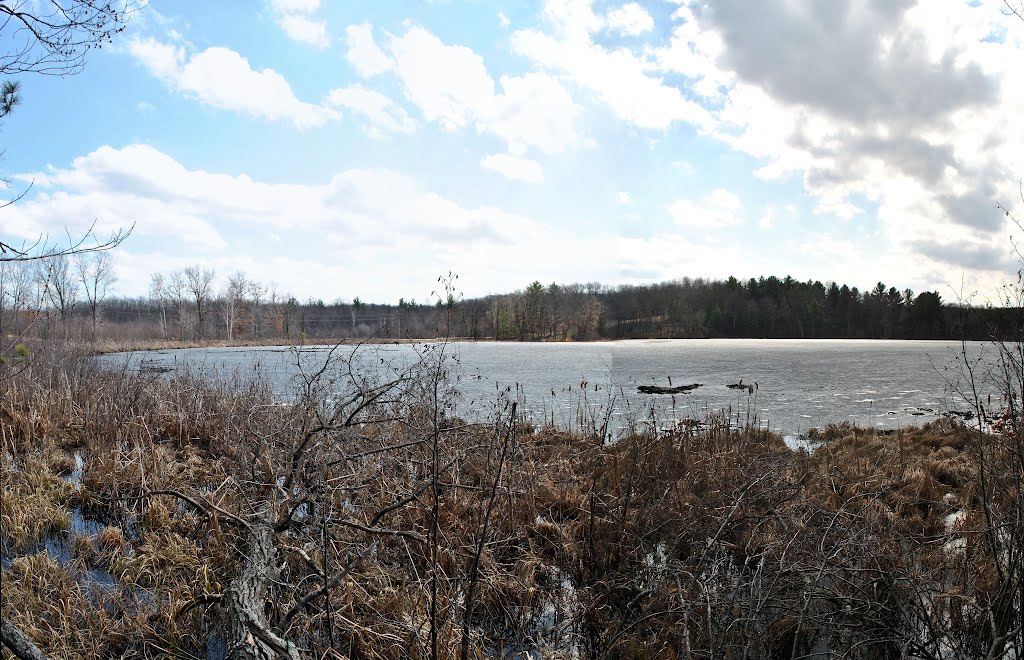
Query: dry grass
[[719, 542]]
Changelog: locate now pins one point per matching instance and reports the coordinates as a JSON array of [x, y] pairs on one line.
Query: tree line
[[72, 295]]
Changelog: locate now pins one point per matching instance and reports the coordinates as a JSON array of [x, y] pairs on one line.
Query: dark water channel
[[94, 581]]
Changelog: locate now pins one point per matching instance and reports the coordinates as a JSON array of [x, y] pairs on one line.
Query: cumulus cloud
[[296, 18], [904, 112], [868, 63], [223, 79], [530, 111], [384, 116], [337, 235], [163, 60], [363, 53], [619, 77], [305, 29], [366, 214], [903, 107], [630, 19]]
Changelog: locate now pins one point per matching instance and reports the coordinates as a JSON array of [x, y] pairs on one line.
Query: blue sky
[[343, 149]]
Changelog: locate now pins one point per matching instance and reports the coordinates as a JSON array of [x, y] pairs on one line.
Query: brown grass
[[715, 540]]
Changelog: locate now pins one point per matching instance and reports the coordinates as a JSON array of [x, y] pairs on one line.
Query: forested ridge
[[71, 296]]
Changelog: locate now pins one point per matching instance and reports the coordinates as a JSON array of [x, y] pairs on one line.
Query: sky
[[344, 149]]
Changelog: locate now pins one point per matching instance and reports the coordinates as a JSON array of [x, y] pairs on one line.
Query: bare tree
[[13, 288], [96, 273], [231, 301], [159, 293], [176, 292], [59, 285], [257, 293], [199, 284], [53, 37]]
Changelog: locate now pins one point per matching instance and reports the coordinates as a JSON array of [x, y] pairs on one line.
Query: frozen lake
[[798, 383]]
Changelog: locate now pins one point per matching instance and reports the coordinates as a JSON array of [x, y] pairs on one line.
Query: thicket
[[365, 519]]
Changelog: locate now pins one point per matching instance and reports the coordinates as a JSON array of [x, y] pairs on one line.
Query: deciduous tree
[[96, 273]]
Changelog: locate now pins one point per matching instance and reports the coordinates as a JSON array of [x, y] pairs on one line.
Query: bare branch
[[43, 249], [53, 38]]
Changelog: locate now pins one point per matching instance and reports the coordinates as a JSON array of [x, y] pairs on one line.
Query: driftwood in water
[[657, 389]]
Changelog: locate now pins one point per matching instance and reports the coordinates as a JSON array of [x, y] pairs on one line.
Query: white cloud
[[454, 99], [503, 19], [305, 29], [619, 77], [528, 111], [384, 115], [630, 19], [363, 53], [295, 18], [162, 60], [338, 236], [918, 130], [222, 78], [920, 133], [533, 110], [295, 6], [513, 167], [141, 184], [624, 197], [719, 209]]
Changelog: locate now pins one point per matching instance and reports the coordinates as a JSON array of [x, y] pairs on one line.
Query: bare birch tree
[[231, 302], [159, 294], [96, 273], [176, 291]]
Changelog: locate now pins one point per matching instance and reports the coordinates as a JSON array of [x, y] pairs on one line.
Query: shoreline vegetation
[[64, 296], [144, 516]]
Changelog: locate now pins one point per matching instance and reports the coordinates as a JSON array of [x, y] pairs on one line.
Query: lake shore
[[791, 384], [157, 498], [108, 346]]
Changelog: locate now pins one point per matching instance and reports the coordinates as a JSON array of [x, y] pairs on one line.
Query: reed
[[708, 541]]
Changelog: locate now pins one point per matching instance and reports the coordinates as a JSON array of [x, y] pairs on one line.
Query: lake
[[797, 384]]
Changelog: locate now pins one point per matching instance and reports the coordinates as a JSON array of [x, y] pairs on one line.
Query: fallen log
[[18, 642], [249, 633], [657, 389]]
